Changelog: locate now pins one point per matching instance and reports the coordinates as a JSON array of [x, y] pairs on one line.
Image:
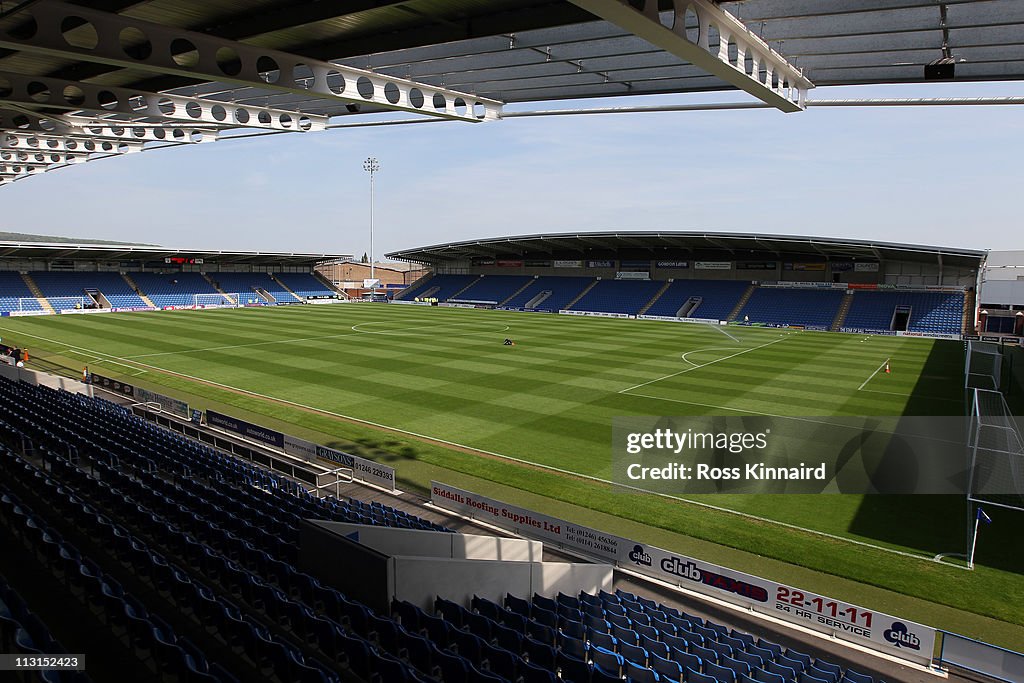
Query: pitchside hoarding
[[888, 634], [362, 469]]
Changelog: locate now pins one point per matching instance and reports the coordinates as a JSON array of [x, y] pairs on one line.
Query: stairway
[[456, 294], [221, 291], [410, 287], [328, 284], [969, 308], [742, 302], [582, 294], [654, 299], [517, 292], [844, 308], [37, 293], [131, 283], [285, 287]]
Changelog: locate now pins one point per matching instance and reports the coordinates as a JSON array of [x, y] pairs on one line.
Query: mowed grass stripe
[[549, 400]]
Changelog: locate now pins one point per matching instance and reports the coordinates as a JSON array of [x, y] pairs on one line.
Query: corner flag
[[984, 517], [887, 370]]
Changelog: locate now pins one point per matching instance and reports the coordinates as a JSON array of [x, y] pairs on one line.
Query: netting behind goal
[[996, 451], [983, 366], [211, 300]]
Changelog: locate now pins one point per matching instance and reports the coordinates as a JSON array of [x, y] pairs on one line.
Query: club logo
[[688, 570], [900, 636], [638, 556]]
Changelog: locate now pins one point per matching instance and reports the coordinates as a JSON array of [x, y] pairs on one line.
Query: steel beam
[[135, 44], [33, 142], [44, 157], [57, 93], [15, 170], [766, 74]]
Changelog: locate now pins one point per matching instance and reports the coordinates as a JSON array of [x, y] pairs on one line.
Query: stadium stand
[[783, 306], [21, 631], [215, 537], [618, 296], [15, 294], [603, 637], [562, 291], [173, 289], [251, 285], [439, 287], [304, 284], [929, 312], [493, 289], [62, 289], [717, 298]]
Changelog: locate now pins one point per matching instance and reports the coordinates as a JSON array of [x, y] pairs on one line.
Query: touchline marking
[[703, 365], [550, 467], [509, 458], [97, 360], [877, 370]]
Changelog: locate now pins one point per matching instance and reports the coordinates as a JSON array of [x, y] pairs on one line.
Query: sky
[[945, 176]]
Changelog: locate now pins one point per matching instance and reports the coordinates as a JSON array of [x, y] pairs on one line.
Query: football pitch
[[536, 417]]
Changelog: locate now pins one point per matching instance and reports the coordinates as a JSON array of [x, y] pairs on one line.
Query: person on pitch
[[509, 342]]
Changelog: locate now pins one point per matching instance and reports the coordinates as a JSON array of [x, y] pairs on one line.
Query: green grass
[[550, 400]]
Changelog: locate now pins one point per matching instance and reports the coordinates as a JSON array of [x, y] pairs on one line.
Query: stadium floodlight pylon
[[210, 300], [169, 50], [754, 67]]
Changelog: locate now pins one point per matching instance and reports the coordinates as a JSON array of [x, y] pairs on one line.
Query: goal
[[207, 300], [983, 366], [996, 452]]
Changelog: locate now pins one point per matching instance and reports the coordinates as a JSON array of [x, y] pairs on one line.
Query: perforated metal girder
[[131, 43], [741, 58], [56, 93]]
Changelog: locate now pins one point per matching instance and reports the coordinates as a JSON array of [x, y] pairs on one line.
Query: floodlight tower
[[371, 166]]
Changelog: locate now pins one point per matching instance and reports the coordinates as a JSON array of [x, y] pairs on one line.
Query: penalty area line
[[872, 376], [551, 468], [702, 365]]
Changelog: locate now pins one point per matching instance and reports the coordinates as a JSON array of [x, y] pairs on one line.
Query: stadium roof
[[127, 252], [735, 246], [80, 79]]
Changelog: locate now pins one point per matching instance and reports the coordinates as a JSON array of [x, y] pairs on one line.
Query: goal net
[[996, 451], [984, 366], [232, 300]]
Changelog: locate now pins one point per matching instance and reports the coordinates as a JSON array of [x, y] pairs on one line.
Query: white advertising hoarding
[[362, 469], [894, 636]]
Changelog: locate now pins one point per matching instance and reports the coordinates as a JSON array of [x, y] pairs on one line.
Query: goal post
[[983, 366], [996, 452], [210, 300]]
